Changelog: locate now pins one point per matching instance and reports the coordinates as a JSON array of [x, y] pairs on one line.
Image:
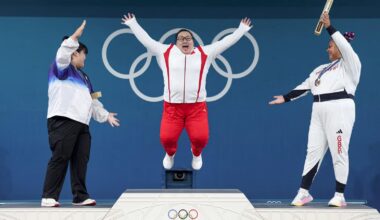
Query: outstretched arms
[[154, 46], [222, 45], [298, 92], [292, 95]]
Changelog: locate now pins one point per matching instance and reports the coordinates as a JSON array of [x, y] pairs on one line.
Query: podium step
[[187, 205]]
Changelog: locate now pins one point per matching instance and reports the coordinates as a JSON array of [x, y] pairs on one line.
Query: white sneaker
[[338, 200], [302, 198], [197, 162], [49, 202], [87, 202], [168, 161]]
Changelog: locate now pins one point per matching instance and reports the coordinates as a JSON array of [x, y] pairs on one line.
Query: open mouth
[[185, 47]]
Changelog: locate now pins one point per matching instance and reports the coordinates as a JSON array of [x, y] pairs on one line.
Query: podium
[[192, 204], [186, 204]]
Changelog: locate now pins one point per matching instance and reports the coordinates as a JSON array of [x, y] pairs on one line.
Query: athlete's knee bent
[[199, 141], [168, 139]]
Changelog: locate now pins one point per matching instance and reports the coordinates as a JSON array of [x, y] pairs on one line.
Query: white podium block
[[170, 204]]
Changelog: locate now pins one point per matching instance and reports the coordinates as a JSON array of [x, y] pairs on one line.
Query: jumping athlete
[[184, 68]]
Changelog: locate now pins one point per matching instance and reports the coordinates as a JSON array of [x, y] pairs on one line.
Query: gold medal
[[317, 82]]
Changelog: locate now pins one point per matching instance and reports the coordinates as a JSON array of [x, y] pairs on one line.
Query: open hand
[[113, 120], [127, 18], [79, 31], [278, 99], [246, 21]]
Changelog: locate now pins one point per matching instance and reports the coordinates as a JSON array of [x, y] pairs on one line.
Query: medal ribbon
[[327, 69]]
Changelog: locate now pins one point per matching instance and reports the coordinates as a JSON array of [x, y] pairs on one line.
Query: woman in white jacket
[[333, 86], [70, 110], [184, 68]]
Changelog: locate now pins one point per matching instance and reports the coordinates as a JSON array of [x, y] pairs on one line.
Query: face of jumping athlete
[[333, 51], [185, 42]]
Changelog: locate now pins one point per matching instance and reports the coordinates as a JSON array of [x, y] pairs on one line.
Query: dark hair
[[81, 46], [182, 30], [350, 36]]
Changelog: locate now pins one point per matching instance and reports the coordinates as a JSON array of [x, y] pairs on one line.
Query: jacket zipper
[[184, 82]]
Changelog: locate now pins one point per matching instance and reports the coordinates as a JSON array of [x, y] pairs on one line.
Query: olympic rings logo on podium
[[183, 214], [273, 202], [148, 56]]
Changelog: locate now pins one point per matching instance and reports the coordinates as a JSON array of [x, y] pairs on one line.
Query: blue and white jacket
[[70, 89]]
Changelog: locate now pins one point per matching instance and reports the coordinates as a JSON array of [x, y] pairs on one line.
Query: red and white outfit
[[185, 86]]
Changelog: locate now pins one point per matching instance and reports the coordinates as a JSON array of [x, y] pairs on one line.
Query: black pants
[[70, 141]]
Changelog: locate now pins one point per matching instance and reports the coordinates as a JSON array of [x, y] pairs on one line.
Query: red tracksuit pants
[[193, 117]]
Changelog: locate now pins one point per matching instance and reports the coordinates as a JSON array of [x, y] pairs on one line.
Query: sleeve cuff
[[294, 94], [286, 98], [331, 30]]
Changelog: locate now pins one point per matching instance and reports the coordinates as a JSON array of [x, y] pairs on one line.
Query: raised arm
[[68, 47], [222, 45], [349, 58], [152, 45]]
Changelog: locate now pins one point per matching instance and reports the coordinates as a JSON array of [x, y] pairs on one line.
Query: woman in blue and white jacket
[[71, 107]]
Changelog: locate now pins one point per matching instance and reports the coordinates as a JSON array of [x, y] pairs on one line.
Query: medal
[[317, 82]]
